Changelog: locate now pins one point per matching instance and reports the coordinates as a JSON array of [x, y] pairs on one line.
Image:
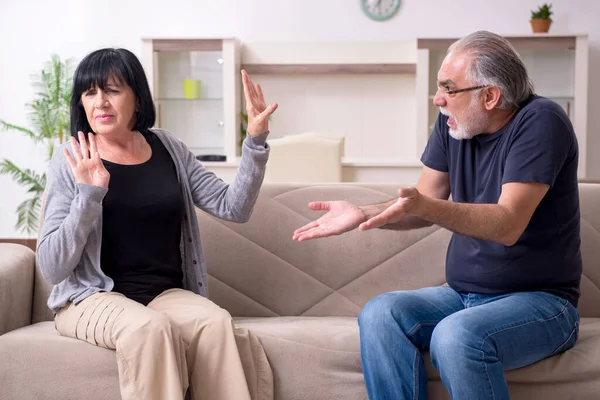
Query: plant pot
[[540, 25]]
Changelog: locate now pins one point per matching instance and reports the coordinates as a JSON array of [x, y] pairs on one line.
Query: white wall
[[32, 30]]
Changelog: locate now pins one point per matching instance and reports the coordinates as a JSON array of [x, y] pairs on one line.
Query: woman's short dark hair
[[95, 70]]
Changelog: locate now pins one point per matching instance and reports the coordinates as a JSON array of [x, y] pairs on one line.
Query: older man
[[509, 159]]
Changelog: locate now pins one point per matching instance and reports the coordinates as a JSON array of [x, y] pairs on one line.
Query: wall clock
[[380, 10]]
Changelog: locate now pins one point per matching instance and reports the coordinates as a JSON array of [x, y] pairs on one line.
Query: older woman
[[120, 241]]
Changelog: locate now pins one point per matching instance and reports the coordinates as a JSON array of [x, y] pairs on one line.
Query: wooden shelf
[[199, 99], [356, 162], [187, 44], [272, 69], [534, 42]]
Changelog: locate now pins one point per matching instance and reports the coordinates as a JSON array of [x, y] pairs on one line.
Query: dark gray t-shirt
[[537, 145]]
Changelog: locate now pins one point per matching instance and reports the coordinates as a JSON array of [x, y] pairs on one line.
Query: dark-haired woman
[[120, 241]]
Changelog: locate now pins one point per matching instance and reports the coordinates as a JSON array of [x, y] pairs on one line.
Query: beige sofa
[[300, 299]]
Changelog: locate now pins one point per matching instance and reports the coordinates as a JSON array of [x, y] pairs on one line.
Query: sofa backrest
[[589, 302], [255, 269]]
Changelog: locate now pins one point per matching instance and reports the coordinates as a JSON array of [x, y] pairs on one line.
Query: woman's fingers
[[99, 164], [70, 160], [271, 109], [259, 93], [250, 84], [93, 146], [75, 149], [256, 107], [85, 152], [267, 112], [253, 91], [246, 84]]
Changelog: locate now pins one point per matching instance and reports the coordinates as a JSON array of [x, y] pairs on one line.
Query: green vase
[[191, 88]]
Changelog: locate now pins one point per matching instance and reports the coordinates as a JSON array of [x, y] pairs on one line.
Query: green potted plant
[[49, 118], [540, 18]]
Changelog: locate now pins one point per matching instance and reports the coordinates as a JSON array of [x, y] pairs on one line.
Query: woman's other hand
[[85, 162]]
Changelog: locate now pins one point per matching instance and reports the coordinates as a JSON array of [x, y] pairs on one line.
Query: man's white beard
[[462, 130]]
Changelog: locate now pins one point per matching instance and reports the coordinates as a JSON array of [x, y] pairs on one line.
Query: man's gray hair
[[495, 63]]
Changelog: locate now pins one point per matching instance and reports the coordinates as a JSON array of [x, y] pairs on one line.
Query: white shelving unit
[[557, 66], [210, 122], [377, 94]]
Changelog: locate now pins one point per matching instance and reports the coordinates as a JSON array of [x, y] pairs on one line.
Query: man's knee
[[453, 340], [403, 308], [390, 311], [376, 311]]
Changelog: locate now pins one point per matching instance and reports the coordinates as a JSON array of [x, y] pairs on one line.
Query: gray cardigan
[[68, 250]]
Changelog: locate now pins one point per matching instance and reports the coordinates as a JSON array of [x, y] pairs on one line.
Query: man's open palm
[[341, 217]]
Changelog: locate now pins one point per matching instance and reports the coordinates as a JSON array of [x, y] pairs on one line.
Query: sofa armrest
[[17, 267]]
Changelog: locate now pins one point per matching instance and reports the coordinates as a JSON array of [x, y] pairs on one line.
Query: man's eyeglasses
[[448, 91]]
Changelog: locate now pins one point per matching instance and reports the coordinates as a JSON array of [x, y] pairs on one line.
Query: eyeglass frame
[[455, 91]]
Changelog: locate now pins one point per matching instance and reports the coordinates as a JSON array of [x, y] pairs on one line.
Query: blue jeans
[[472, 340]]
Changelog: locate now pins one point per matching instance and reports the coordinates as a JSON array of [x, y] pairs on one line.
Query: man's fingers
[[314, 233], [370, 224], [305, 228], [377, 221], [319, 205], [407, 192]]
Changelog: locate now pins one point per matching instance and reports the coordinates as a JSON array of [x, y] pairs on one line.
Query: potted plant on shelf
[[540, 19], [49, 117]]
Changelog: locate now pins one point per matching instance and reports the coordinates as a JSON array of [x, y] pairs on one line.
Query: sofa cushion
[[319, 358], [38, 363], [311, 357]]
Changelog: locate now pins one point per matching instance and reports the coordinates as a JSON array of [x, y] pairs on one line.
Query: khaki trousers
[[179, 340]]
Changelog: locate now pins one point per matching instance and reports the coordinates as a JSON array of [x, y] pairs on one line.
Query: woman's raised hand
[[85, 162], [256, 108]]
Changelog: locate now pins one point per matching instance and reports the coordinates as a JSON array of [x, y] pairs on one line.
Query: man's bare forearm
[[407, 222], [482, 221]]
